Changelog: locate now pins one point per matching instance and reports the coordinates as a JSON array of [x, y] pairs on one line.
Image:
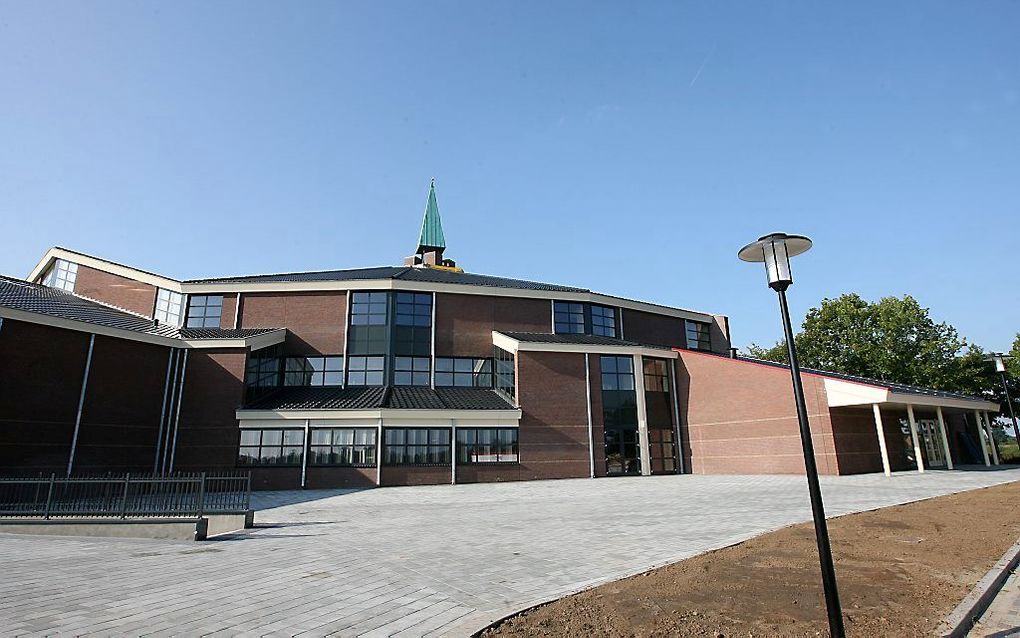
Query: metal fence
[[126, 496]]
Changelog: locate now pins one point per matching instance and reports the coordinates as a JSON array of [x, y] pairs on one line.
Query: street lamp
[[775, 251], [999, 360]]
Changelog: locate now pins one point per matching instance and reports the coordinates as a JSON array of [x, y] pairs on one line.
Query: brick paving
[[413, 561]]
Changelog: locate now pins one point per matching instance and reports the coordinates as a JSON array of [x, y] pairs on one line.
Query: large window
[[416, 446], [314, 371], [263, 369], [568, 317], [271, 447], [583, 318], [504, 373], [369, 330], [412, 330], [366, 370], [351, 447], [463, 372], [698, 335], [619, 413], [204, 311], [62, 275], [169, 307], [487, 445], [617, 373], [659, 411], [411, 371]]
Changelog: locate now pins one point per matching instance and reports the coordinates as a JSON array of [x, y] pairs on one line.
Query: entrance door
[[932, 442], [662, 448], [623, 452]]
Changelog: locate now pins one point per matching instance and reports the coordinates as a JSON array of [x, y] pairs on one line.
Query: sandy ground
[[901, 570]]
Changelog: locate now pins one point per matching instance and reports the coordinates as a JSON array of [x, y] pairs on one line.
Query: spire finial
[[431, 237]]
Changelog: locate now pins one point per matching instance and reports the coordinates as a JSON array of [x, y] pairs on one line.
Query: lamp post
[[999, 360], [775, 251]]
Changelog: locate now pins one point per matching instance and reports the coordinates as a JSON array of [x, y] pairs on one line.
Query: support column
[[304, 455], [991, 439], [453, 442], [378, 448], [81, 403], [880, 430], [591, 435], [913, 437], [981, 436], [945, 438], [642, 415]]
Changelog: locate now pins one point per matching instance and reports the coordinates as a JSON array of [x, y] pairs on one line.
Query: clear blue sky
[[629, 149]]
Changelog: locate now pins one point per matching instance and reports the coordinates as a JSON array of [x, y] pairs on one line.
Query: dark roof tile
[[377, 397], [577, 339]]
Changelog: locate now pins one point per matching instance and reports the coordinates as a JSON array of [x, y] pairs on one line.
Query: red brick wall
[[645, 327], [857, 441], [411, 475], [464, 323], [554, 427], [208, 433], [314, 320], [322, 477], [227, 314], [740, 417], [116, 290]]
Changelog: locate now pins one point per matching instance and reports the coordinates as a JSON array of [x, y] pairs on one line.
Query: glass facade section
[[271, 447], [169, 307], [504, 373], [411, 371], [603, 321], [662, 442], [412, 330], [345, 447], [204, 311], [463, 372], [366, 370], [262, 371], [619, 412], [62, 275], [568, 317], [698, 335], [583, 318], [317, 371], [486, 445], [416, 446]]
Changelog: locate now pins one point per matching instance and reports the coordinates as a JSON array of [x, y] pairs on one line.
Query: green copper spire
[[431, 227]]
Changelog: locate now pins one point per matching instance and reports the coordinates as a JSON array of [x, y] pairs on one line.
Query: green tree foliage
[[895, 340]]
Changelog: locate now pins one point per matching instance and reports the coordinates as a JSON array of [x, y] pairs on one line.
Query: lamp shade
[[775, 251], [999, 360]]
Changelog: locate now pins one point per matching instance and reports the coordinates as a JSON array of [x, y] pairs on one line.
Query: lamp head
[[999, 360], [775, 251]]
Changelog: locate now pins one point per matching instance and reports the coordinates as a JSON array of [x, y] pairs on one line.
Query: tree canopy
[[894, 339]]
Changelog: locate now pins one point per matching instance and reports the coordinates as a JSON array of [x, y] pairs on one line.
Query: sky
[[630, 148]]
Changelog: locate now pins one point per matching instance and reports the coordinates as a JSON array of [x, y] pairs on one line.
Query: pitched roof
[[578, 339], [399, 273], [380, 397], [38, 299], [898, 388], [431, 226]]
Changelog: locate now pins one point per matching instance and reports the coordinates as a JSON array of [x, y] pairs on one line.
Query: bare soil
[[901, 570]]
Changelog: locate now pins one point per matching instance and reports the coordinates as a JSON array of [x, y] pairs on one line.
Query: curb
[[967, 613]]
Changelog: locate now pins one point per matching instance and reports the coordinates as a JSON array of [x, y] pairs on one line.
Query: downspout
[[162, 409], [177, 416], [81, 403]]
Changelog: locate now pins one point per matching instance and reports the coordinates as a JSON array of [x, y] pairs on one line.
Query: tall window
[[659, 411], [169, 307], [617, 373], [411, 371], [487, 445], [204, 311], [366, 370], [263, 369], [568, 317], [412, 330], [619, 412], [314, 371], [698, 335], [463, 372], [62, 275], [351, 447], [583, 318], [504, 375], [417, 446], [271, 447]]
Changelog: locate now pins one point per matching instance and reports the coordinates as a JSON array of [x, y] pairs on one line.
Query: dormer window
[[62, 275], [583, 318]]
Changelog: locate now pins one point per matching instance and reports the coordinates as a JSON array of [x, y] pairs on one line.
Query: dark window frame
[[368, 451], [698, 335], [434, 444], [412, 371], [452, 373], [295, 456], [467, 442], [332, 369], [359, 367], [576, 317], [504, 373], [205, 303]]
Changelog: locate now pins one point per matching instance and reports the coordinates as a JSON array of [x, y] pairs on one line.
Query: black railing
[[129, 495]]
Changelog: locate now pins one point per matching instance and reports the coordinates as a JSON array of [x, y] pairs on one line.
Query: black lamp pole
[[999, 360], [775, 251]]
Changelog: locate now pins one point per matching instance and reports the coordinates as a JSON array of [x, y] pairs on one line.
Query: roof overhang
[[256, 342], [844, 393], [509, 418], [84, 326], [510, 344], [101, 264]]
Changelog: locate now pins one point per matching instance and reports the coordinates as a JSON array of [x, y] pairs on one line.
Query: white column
[[945, 438], [991, 439], [591, 436], [913, 436], [981, 436], [880, 430], [453, 448], [642, 415], [304, 456], [378, 450]]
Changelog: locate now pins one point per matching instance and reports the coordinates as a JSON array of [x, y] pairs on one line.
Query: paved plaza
[[411, 561]]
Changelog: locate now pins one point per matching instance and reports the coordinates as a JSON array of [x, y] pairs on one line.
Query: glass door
[[623, 452], [932, 442]]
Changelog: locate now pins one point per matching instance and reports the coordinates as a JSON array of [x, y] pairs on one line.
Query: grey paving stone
[[435, 560]]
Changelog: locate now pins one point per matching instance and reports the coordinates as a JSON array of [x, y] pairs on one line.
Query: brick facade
[[464, 323], [115, 290], [314, 320]]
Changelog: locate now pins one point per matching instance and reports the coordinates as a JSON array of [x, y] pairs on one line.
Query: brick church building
[[420, 373]]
